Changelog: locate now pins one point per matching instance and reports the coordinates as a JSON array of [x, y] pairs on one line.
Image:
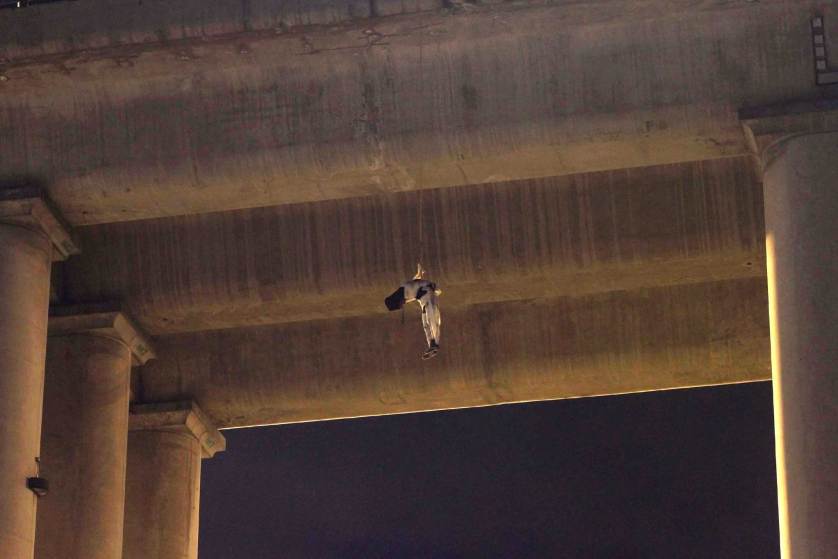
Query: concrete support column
[[801, 214], [798, 149], [85, 433], [31, 236], [165, 446]]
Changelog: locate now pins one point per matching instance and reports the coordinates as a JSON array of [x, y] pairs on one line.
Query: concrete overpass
[[229, 190]]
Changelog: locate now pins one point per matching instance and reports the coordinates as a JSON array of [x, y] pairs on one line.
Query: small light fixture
[[38, 485]]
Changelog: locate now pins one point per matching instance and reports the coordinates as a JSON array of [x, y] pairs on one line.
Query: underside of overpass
[[250, 185], [248, 179]]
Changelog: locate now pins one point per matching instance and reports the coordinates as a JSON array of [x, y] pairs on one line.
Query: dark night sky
[[679, 474]]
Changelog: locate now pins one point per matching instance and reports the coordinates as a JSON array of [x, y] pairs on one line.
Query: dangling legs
[[431, 322], [434, 321]]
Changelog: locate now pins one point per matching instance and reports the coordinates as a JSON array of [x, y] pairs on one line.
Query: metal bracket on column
[[38, 485], [823, 74]]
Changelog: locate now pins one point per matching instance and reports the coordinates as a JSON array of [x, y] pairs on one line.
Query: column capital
[[184, 416], [106, 320], [29, 207], [765, 127]]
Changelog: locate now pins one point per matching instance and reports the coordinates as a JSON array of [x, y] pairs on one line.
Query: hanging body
[[425, 293]]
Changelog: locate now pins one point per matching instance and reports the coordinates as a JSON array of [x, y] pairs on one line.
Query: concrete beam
[[765, 126], [95, 24], [648, 339], [566, 236], [133, 129]]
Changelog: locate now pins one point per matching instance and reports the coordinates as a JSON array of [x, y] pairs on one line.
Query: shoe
[[430, 353]]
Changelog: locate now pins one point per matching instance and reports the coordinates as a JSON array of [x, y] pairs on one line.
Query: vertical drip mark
[[586, 225]]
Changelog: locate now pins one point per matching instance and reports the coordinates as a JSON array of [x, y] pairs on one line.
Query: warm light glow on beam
[[511, 402]]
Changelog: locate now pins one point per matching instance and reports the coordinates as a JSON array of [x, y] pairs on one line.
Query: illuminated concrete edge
[[29, 207], [108, 323], [669, 337], [184, 416]]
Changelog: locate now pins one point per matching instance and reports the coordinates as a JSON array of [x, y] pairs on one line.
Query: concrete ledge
[[103, 321], [29, 207], [765, 127], [644, 227], [194, 152], [184, 416], [541, 349]]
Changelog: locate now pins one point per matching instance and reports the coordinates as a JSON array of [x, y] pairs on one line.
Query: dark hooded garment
[[395, 301]]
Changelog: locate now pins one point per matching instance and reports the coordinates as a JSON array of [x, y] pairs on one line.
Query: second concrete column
[[85, 434], [165, 447]]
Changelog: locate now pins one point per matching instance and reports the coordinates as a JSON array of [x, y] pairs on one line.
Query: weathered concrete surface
[[105, 320], [84, 445], [28, 207], [24, 297], [162, 496], [92, 24], [180, 416], [801, 203], [259, 118], [599, 232], [165, 446], [667, 337]]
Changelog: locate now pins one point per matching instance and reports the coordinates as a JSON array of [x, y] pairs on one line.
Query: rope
[[421, 230], [420, 215]]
